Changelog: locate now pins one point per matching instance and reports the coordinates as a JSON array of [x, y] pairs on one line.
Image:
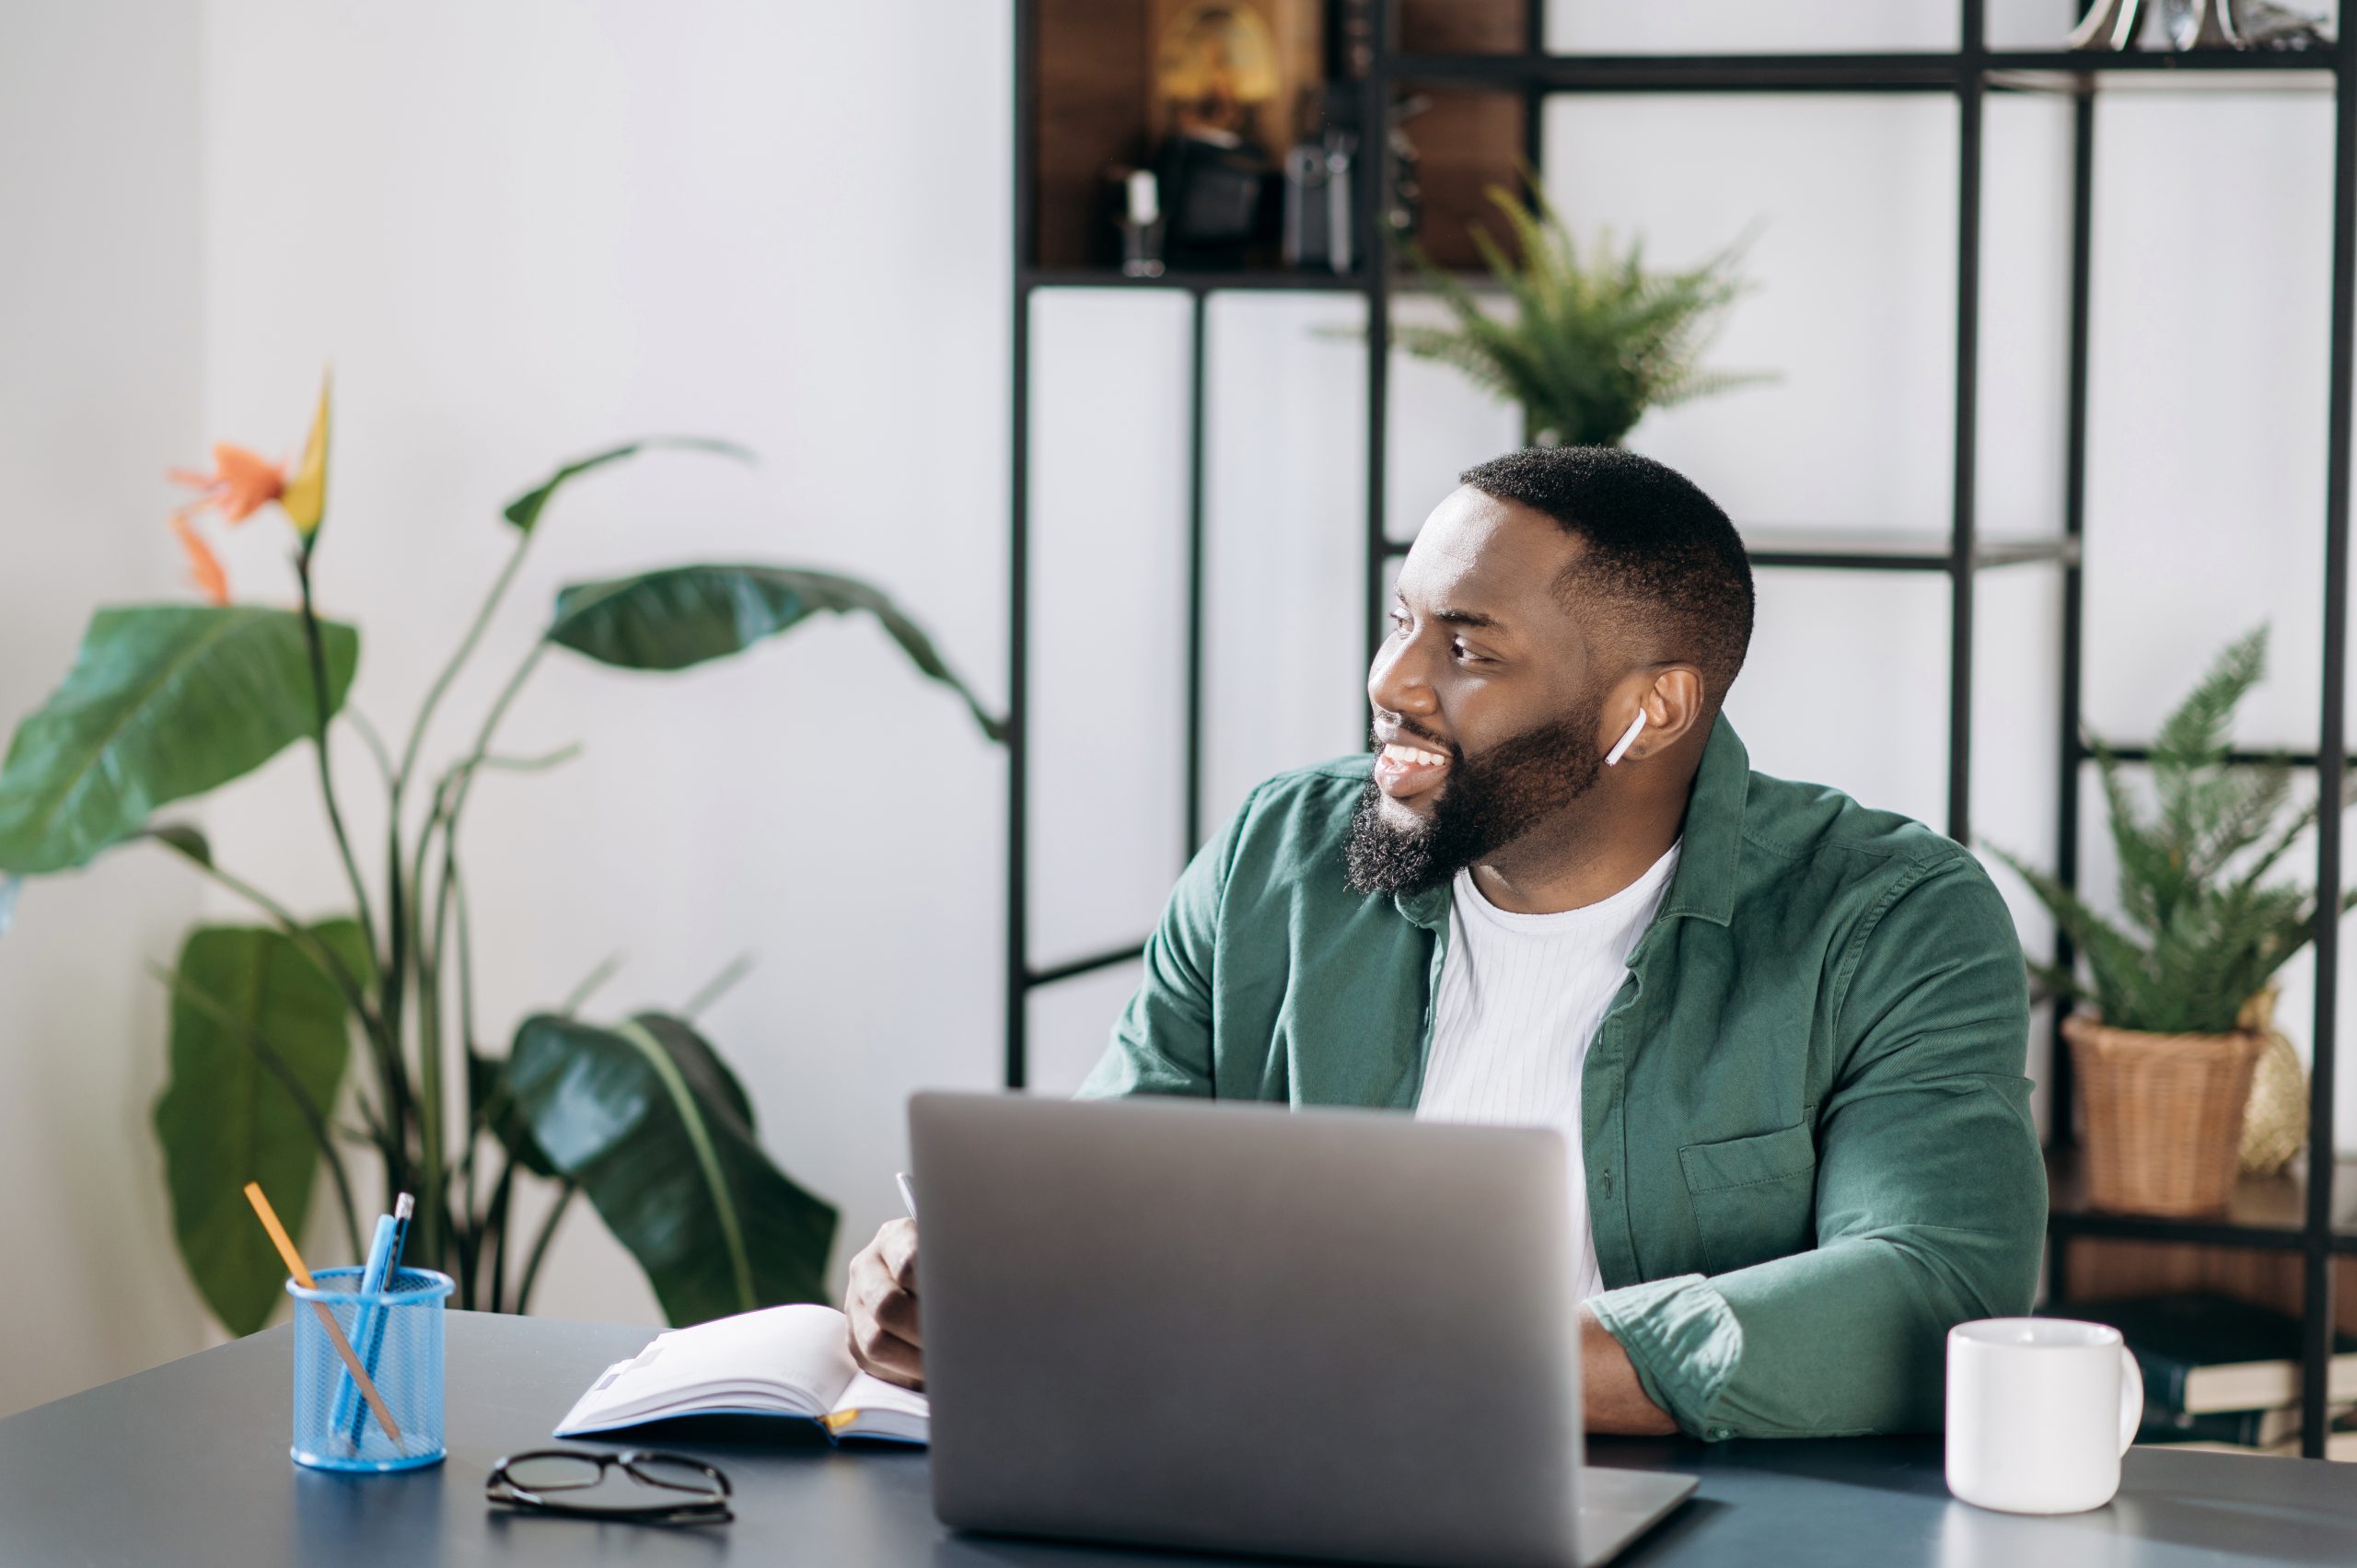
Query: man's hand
[[1615, 1402], [881, 1302]]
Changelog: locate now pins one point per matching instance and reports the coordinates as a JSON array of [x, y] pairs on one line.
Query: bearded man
[[1783, 1034]]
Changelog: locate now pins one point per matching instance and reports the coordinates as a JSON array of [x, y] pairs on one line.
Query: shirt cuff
[[1684, 1341]]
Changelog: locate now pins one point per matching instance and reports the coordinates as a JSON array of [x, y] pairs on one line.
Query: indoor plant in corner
[[167, 701], [2180, 992], [1593, 340]]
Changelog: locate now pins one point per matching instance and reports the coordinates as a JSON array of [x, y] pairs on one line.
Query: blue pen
[[384, 1264]]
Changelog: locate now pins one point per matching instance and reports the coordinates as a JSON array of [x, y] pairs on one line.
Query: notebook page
[[801, 1351], [865, 1393]]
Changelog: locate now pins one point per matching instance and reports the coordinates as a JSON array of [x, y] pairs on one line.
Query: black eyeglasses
[[525, 1481]]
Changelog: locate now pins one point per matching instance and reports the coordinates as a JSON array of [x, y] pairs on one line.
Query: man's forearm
[[1615, 1400]]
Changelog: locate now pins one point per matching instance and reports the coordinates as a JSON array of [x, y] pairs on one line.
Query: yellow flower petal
[[306, 496]]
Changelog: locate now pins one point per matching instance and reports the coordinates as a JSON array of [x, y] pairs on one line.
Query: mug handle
[[2132, 1398]]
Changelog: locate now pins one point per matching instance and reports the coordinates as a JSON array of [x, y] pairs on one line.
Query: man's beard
[[1485, 804]]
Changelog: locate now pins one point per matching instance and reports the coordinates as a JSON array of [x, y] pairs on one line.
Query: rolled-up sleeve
[[1930, 1197]]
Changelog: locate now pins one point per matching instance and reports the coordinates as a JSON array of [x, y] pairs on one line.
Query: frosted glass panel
[[1109, 602], [1070, 1023], [1285, 636], [2024, 313], [1439, 425], [1746, 27], [2016, 728], [2033, 24], [2206, 451], [1854, 307], [1847, 686]]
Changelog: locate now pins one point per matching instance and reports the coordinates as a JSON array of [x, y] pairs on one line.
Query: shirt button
[[1722, 1432]]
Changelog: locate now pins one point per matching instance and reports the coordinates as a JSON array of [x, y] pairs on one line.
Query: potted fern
[[2177, 988], [1595, 339]]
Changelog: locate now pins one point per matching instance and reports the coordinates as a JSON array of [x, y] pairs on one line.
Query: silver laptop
[[1325, 1333]]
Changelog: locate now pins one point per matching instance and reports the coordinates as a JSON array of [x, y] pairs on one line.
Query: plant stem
[[268, 1056], [374, 741], [320, 741], [457, 660], [452, 790], [541, 1248], [718, 986], [588, 985]]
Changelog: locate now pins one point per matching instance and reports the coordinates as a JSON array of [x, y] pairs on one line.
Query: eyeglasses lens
[[675, 1475], [553, 1473]]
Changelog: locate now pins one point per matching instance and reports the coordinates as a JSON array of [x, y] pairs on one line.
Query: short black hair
[[1655, 544]]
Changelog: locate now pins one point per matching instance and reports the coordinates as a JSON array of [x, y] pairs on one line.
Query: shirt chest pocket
[[1754, 1198]]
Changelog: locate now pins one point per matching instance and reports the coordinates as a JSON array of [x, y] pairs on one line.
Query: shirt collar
[[1703, 885]]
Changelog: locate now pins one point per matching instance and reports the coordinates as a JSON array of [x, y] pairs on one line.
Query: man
[[1783, 1035]]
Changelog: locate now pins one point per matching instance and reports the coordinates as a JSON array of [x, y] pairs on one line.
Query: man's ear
[[1670, 696]]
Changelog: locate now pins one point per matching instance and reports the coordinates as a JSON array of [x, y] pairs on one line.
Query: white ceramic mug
[[2040, 1410]]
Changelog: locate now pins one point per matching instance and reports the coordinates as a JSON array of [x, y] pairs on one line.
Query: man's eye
[[1468, 655]]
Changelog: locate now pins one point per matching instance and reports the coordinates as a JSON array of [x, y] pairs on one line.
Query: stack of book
[[2225, 1374]]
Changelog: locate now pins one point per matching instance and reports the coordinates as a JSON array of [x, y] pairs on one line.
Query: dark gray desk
[[187, 1465]]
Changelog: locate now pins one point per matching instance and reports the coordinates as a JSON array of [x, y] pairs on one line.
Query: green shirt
[[1804, 1119]]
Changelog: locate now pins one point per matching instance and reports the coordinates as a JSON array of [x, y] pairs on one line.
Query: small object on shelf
[[2200, 24], [1317, 201], [2275, 1124], [2109, 25], [2265, 24], [1403, 204], [1141, 225], [1214, 189], [2115, 25]]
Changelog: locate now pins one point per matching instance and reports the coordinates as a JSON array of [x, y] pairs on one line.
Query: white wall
[[521, 231], [99, 312]]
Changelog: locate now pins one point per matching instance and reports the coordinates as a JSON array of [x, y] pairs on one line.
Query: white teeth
[[1409, 754]]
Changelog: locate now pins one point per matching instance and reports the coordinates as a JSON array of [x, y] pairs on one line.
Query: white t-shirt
[[1520, 998]]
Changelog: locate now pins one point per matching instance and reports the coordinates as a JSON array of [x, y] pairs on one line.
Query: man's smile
[[1404, 771]]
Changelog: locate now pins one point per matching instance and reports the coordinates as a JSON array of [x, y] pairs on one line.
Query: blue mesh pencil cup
[[396, 1334]]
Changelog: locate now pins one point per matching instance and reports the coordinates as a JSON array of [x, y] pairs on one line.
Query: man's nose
[[1396, 683]]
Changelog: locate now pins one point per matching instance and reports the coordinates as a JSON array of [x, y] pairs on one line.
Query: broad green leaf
[[526, 509], [225, 1117], [658, 1132], [164, 702], [686, 615], [494, 1103]]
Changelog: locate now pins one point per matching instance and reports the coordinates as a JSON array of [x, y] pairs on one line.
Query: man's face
[[1486, 697]]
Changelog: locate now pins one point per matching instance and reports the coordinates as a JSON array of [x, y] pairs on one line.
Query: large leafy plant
[[1594, 339], [2201, 929], [167, 701]]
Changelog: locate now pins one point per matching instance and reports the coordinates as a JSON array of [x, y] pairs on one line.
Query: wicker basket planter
[[2165, 1114]]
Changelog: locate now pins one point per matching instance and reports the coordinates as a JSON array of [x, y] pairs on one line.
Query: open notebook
[[782, 1360]]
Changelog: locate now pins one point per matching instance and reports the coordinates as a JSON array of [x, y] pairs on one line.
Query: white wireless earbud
[[1628, 738]]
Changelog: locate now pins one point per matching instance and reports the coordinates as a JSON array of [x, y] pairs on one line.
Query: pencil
[[294, 1260]]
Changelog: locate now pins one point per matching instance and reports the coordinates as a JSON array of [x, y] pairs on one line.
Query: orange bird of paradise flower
[[242, 482]]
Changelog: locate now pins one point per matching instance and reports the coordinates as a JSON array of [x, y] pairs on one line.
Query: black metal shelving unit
[[2318, 1218]]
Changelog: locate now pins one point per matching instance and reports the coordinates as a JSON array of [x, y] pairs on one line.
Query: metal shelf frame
[[1969, 74]]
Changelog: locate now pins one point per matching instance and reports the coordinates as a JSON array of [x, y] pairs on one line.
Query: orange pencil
[[294, 1260]]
